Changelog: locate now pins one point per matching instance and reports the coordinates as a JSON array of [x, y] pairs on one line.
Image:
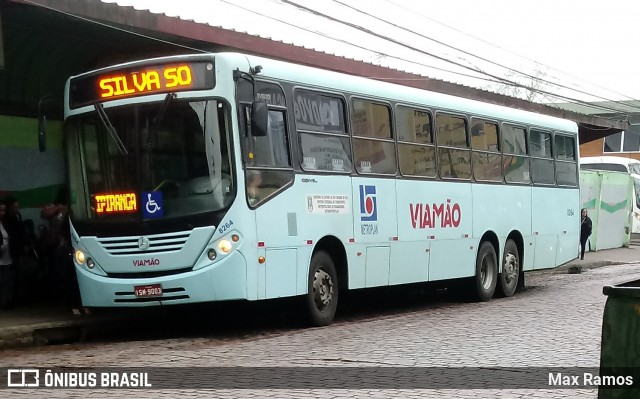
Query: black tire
[[486, 278], [521, 281], [322, 296], [510, 276]]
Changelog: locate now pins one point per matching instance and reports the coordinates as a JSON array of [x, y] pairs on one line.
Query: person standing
[[6, 264], [60, 250], [585, 231], [14, 226]]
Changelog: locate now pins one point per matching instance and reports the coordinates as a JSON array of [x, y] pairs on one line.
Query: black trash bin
[[620, 350]]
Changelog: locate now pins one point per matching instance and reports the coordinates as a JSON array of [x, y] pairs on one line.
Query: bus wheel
[[510, 270], [486, 272], [322, 296]]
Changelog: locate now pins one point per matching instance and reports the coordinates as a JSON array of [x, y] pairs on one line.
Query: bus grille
[[157, 243]]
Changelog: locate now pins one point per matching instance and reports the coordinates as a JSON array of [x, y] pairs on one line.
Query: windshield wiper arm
[[110, 128], [163, 109]]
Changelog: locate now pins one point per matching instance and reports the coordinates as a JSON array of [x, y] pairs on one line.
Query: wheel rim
[[486, 272], [510, 269], [322, 289]]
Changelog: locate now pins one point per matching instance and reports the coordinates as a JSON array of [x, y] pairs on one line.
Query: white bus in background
[[619, 164]]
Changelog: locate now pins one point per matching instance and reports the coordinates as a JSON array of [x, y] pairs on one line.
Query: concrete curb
[[25, 334], [47, 332], [580, 267]]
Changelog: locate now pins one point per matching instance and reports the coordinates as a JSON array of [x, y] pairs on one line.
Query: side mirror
[[42, 120], [42, 133], [259, 119]]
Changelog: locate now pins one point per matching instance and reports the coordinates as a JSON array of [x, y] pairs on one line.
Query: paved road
[[556, 322]]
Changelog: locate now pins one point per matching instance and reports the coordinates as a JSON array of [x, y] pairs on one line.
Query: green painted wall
[[32, 176], [16, 132]]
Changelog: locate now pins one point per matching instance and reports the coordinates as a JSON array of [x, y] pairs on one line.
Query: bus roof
[[370, 87], [314, 78]]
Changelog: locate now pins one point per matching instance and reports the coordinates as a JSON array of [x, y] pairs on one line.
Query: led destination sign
[[139, 81], [116, 203], [145, 82]]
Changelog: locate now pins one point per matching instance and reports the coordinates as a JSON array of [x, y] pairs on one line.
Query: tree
[[530, 87]]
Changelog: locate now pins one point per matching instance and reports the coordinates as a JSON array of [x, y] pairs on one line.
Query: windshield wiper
[[163, 109], [110, 128]]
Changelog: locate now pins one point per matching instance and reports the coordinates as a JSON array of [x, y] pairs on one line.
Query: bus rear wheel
[[510, 270], [486, 277], [322, 295]]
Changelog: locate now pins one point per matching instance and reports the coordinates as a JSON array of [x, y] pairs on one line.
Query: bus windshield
[[175, 153]]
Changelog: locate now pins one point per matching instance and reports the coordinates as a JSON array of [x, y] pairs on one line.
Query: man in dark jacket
[[59, 246], [17, 244], [13, 223], [7, 270], [585, 231]]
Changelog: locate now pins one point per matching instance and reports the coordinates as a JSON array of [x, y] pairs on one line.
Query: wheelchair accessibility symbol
[[152, 204]]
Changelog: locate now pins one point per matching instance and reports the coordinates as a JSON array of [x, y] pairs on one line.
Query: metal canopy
[[46, 41], [42, 48]]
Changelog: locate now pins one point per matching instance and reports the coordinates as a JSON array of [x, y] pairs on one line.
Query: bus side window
[[566, 164], [416, 149], [271, 150], [268, 160], [373, 146], [453, 147], [247, 147], [324, 141], [486, 157], [542, 165], [515, 156]]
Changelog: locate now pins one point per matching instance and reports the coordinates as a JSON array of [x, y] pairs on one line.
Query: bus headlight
[[80, 257], [90, 263], [225, 246], [212, 254]]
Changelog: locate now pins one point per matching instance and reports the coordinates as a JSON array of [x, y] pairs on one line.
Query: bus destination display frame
[[140, 80]]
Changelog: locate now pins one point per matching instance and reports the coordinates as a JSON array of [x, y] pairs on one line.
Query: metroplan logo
[[368, 204]]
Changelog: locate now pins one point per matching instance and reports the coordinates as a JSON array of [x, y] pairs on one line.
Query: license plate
[[146, 291]]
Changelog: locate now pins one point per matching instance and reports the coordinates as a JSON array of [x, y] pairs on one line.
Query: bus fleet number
[[225, 227]]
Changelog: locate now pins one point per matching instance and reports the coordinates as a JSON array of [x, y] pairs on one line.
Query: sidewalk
[[42, 325], [616, 256]]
